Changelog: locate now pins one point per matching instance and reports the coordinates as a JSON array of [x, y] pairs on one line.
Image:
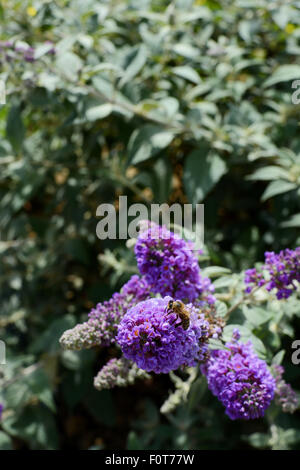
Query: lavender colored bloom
[[29, 55], [22, 51], [284, 394], [101, 327], [7, 50], [170, 265], [155, 339], [9, 56], [236, 334], [283, 269], [1, 410], [118, 373], [26, 51], [253, 278], [240, 380], [6, 45]]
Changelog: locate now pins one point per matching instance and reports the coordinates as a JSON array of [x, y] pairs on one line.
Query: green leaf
[[40, 387], [248, 28], [77, 360], [269, 173], [186, 50], [49, 339], [277, 187], [258, 440], [69, 65], [5, 441], [36, 425], [294, 221], [17, 394], [221, 308], [283, 73], [283, 15], [159, 179], [202, 170], [15, 130], [34, 385], [257, 316], [48, 81], [224, 281], [146, 142], [187, 73], [215, 271], [99, 112], [137, 61], [161, 186], [133, 442], [216, 344], [278, 358], [197, 391], [41, 50]]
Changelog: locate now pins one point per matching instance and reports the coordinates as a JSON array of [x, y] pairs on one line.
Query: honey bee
[[178, 307]]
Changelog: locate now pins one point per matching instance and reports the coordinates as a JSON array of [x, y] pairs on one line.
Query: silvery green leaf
[[147, 142], [215, 271], [283, 73], [69, 64], [188, 73], [278, 358], [202, 170], [41, 50], [186, 50], [294, 221], [277, 187], [257, 316], [270, 172], [99, 112], [137, 60], [5, 441], [221, 308], [224, 281]]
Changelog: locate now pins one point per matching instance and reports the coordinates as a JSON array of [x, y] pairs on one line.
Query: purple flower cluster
[[1, 410], [283, 271], [284, 394], [101, 327], [240, 380], [153, 337], [11, 52], [170, 265], [253, 278], [20, 51]]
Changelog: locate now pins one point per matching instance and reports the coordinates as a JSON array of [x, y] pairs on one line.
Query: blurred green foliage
[[183, 101]]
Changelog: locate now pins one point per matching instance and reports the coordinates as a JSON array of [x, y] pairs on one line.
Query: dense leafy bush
[[189, 101]]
